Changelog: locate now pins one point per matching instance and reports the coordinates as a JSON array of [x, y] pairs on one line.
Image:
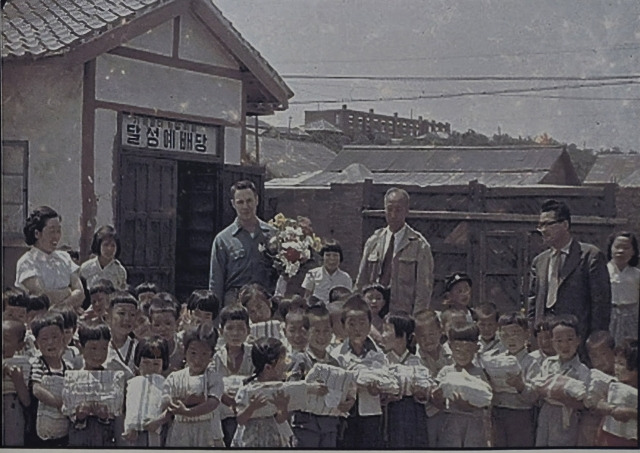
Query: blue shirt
[[236, 259]]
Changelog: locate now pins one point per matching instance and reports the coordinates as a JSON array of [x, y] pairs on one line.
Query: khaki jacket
[[411, 270]]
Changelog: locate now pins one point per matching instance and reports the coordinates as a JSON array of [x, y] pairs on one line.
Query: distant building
[[354, 122]]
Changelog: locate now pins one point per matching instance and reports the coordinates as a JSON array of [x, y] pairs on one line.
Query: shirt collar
[[263, 226], [565, 250]]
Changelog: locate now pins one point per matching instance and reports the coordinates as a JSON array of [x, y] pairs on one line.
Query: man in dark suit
[[570, 277]]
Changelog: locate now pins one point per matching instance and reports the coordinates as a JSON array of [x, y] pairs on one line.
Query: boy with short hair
[[93, 425], [121, 318], [560, 412], [486, 318], [36, 306], [232, 359], [433, 355], [600, 347], [71, 352], [295, 331], [457, 293], [363, 425], [47, 378], [513, 412], [542, 334], [311, 430], [100, 293], [15, 394], [464, 425], [164, 312]]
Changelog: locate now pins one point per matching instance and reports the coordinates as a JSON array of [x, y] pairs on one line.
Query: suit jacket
[[411, 270], [584, 289]]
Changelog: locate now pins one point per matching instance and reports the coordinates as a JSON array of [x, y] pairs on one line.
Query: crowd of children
[[140, 369]]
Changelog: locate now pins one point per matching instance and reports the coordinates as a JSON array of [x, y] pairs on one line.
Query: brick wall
[[336, 213]]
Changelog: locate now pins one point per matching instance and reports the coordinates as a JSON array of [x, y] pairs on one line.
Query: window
[[15, 162]]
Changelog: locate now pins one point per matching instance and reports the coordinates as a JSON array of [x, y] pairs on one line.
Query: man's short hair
[[393, 190], [560, 209], [241, 185]]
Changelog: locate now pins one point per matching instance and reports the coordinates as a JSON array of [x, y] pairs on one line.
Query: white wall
[[197, 44], [42, 103], [157, 40], [155, 86]]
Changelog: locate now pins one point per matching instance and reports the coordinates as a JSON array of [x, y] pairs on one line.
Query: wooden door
[[147, 218]]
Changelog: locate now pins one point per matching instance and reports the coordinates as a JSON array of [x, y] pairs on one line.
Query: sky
[[590, 45]]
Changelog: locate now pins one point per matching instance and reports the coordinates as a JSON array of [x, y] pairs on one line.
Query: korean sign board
[[168, 135]]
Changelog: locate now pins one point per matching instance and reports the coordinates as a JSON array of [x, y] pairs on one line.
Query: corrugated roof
[[286, 158], [421, 179], [406, 159], [621, 168]]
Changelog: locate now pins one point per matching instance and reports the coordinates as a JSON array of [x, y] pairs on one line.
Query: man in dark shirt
[[236, 259]]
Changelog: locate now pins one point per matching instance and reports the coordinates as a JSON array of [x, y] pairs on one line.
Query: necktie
[[554, 266], [385, 274]]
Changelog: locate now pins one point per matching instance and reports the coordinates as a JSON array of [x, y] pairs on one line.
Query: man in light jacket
[[399, 257]]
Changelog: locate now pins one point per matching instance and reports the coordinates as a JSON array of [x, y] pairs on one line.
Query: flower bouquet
[[291, 245]]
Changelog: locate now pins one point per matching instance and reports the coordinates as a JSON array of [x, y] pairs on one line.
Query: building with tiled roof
[[131, 113]]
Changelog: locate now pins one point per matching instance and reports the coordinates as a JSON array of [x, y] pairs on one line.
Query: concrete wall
[[42, 103]]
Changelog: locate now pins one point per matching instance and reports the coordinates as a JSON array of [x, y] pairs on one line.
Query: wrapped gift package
[[626, 396], [558, 384], [272, 328], [296, 391], [411, 378], [499, 367], [598, 387], [339, 382], [471, 389], [143, 402], [382, 378], [87, 387]]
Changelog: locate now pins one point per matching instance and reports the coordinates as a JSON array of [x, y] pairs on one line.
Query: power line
[[574, 98], [465, 94], [620, 47], [458, 78]]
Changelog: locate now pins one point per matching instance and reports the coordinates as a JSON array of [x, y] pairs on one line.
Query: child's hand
[[624, 414], [386, 398], [437, 398], [280, 400], [420, 395], [228, 400], [258, 400], [317, 388], [515, 380], [194, 399], [101, 411], [130, 436], [347, 404], [178, 407], [373, 389], [153, 426], [458, 403], [82, 412], [15, 373]]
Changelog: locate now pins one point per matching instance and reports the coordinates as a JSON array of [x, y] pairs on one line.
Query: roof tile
[[42, 27]]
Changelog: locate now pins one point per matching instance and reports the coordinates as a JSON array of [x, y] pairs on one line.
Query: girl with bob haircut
[[105, 264]]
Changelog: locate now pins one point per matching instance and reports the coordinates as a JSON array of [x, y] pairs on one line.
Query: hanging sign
[[168, 135]]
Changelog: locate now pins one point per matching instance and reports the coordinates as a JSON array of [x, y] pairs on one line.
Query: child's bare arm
[[255, 402], [15, 373], [205, 407], [46, 397], [281, 402]]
